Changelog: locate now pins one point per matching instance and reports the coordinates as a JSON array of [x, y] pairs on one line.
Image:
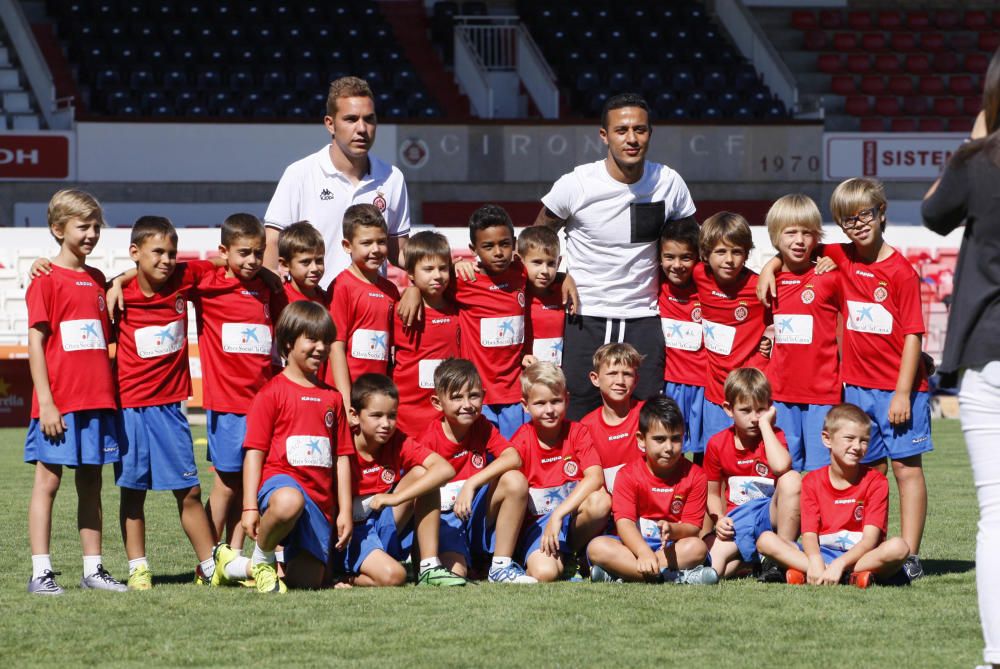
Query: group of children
[[356, 430]]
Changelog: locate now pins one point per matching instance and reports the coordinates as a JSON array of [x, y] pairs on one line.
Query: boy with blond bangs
[[732, 318], [845, 514], [396, 482], [658, 506], [680, 317], [613, 425], [567, 504], [73, 405], [421, 348], [805, 331], [483, 506], [538, 249], [363, 301], [301, 260], [752, 487]]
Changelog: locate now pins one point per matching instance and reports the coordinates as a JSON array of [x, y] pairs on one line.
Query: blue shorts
[[803, 427], [899, 441], [531, 536], [312, 530], [691, 400], [654, 543], [750, 520], [225, 440], [506, 417], [90, 438], [713, 420], [377, 532], [828, 553], [468, 537], [156, 449]]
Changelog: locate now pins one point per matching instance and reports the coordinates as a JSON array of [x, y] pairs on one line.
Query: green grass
[[931, 624]]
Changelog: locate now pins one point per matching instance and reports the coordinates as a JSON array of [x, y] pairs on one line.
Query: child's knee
[[389, 573], [186, 495], [896, 549], [286, 503], [691, 549], [598, 549], [597, 504], [789, 483], [513, 484], [543, 567]]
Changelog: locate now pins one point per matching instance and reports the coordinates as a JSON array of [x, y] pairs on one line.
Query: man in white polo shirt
[[613, 211], [321, 186]]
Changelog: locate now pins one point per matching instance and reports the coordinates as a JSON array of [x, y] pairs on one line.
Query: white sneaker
[[45, 584], [512, 573], [102, 580]]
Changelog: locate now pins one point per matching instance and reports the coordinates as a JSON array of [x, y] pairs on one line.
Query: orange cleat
[[862, 579], [795, 577]]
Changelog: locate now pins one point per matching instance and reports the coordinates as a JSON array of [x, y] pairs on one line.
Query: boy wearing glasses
[[881, 365]]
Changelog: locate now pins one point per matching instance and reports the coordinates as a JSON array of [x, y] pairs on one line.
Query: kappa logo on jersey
[[881, 294], [761, 469], [379, 201], [328, 418], [859, 512], [179, 304], [741, 313], [325, 194], [100, 303], [477, 460], [388, 476], [570, 468], [677, 505], [808, 295]]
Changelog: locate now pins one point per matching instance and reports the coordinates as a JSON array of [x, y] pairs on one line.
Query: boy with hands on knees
[[658, 506]]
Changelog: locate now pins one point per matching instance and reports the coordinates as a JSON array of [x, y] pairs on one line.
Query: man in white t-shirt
[[613, 211], [321, 186]]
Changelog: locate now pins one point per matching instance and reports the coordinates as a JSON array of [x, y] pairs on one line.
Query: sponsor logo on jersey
[[616, 437], [546, 461], [84, 283], [570, 468], [861, 272], [808, 295], [307, 398], [379, 201], [880, 293], [325, 194]]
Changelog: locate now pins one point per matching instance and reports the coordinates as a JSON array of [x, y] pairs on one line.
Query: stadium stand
[[17, 109]]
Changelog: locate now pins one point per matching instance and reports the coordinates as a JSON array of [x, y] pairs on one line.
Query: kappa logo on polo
[[325, 194]]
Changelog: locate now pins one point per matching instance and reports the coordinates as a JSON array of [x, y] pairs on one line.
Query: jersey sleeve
[[192, 271], [38, 299], [283, 210], [342, 429], [583, 446], [696, 503], [340, 310], [495, 442], [911, 313], [563, 197], [712, 467], [835, 252], [877, 504], [520, 443], [412, 454], [260, 422], [624, 504], [810, 502]]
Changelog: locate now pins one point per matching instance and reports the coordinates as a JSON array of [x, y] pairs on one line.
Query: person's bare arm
[[899, 406], [397, 250], [49, 417], [548, 219], [341, 373], [271, 248]]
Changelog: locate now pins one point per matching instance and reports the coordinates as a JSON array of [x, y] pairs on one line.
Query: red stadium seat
[[873, 42], [872, 84], [903, 42], [989, 41], [843, 85], [901, 85], [947, 19], [887, 106], [859, 20], [831, 19], [887, 63], [803, 19], [961, 85], [915, 105], [830, 63], [976, 20], [872, 124], [976, 63], [964, 41], [960, 124], [859, 63], [903, 124], [845, 42], [918, 21], [858, 105], [931, 85], [933, 42], [996, 19], [890, 20], [946, 107], [945, 62], [918, 63], [972, 105], [815, 40], [930, 124]]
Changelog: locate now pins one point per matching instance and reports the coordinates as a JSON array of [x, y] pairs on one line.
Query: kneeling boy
[[658, 505]]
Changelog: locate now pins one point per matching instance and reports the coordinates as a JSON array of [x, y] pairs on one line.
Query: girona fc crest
[[696, 314], [808, 296], [859, 512], [179, 304], [761, 469], [328, 418], [570, 468], [379, 201], [388, 476], [477, 460], [741, 313], [676, 506], [100, 303], [880, 294]]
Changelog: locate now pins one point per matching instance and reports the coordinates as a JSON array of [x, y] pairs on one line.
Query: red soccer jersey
[[839, 516], [644, 498], [419, 350], [543, 336], [302, 430], [234, 339], [362, 312], [732, 321], [616, 445], [881, 306], [491, 317], [152, 359], [73, 307], [804, 365], [552, 473], [397, 456], [292, 294], [680, 317], [744, 474], [468, 457]]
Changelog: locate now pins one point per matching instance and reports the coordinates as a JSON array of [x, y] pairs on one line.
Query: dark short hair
[[660, 410], [297, 238], [367, 386], [426, 244], [684, 231], [621, 101], [454, 374], [362, 216], [151, 226], [303, 318], [488, 216], [241, 226]]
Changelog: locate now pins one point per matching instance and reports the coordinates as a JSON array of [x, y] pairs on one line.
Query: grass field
[[931, 624]]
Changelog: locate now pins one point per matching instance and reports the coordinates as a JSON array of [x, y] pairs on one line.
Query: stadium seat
[[976, 20], [960, 124], [945, 62], [815, 40], [830, 19], [843, 85], [915, 105], [962, 42], [804, 19], [933, 42], [946, 107], [829, 63], [857, 105], [903, 124], [890, 20], [972, 105], [873, 42], [917, 63], [976, 63], [903, 42], [931, 85], [918, 20], [872, 84], [901, 85], [845, 42], [947, 19], [872, 124], [859, 63], [887, 63], [989, 41], [887, 106], [961, 85], [859, 20]]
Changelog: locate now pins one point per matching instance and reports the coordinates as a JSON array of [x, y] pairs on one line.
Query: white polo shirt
[[313, 190], [615, 277]]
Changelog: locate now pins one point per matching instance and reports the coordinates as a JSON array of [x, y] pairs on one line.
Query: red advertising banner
[[15, 393], [40, 156]]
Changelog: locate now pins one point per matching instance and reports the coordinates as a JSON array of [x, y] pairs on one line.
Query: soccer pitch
[[736, 624]]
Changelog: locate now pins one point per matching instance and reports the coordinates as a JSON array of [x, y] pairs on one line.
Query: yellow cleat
[[265, 575], [140, 579]]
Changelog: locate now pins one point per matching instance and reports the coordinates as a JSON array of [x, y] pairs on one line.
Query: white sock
[[279, 556], [261, 555], [90, 564], [237, 569], [429, 563], [208, 568], [501, 562], [40, 564], [136, 563]]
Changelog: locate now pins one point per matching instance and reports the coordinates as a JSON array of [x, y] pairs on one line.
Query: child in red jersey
[[732, 318], [658, 506], [301, 253], [845, 513], [296, 471], [421, 348], [363, 301], [396, 483], [567, 504], [680, 316], [234, 307], [805, 332], [538, 249], [73, 403], [613, 425], [750, 463], [482, 507]]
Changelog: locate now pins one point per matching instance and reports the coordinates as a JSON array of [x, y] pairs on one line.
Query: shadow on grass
[[184, 577], [941, 567]]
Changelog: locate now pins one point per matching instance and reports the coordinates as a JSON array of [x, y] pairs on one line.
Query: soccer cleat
[[512, 573], [770, 572], [600, 575], [102, 580], [265, 576], [571, 568], [862, 579], [913, 568], [700, 575], [223, 554], [140, 579], [45, 584], [795, 577], [200, 578], [440, 576]]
